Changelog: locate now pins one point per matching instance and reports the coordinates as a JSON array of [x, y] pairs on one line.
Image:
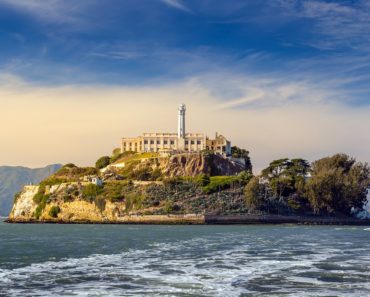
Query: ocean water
[[131, 260]]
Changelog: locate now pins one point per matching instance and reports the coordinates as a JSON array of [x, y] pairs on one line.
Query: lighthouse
[[176, 142], [181, 123]]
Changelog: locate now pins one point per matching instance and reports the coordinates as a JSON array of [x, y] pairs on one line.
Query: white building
[[180, 141]]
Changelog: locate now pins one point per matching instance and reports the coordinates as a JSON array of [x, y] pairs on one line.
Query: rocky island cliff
[[171, 188], [197, 188]]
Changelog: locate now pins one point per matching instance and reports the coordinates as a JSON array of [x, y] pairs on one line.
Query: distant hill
[[13, 178]]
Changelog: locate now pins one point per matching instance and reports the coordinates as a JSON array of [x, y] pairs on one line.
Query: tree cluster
[[335, 185]]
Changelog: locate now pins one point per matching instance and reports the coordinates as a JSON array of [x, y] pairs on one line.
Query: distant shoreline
[[193, 219]]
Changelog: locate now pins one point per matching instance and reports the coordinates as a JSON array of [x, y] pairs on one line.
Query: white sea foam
[[203, 266]]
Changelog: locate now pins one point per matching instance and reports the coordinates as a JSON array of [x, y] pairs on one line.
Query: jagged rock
[[195, 164], [192, 165]]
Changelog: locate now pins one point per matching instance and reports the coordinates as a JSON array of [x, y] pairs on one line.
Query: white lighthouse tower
[[181, 124], [181, 128]]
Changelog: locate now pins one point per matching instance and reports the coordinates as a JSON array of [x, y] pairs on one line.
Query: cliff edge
[[165, 189]]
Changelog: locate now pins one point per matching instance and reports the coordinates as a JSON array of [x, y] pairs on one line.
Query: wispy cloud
[[118, 55], [176, 4], [293, 128], [51, 11], [344, 24]]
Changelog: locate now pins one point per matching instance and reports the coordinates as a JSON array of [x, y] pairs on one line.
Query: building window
[[199, 142], [152, 142], [172, 142], [145, 141], [124, 143], [158, 142], [165, 142], [186, 142], [192, 142]]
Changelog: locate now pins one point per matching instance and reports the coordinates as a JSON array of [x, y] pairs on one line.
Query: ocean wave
[[230, 265]]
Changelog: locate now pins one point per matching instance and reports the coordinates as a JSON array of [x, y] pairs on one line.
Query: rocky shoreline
[[195, 219]]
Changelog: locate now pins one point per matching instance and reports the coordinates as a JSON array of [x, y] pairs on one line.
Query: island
[[188, 178]]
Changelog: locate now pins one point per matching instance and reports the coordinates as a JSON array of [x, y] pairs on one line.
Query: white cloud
[[51, 11], [176, 4], [80, 123]]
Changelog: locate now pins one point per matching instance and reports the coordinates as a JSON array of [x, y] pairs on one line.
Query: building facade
[[180, 142], [219, 145]]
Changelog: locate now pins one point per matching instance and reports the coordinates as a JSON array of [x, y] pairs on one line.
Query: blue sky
[[246, 54], [150, 41]]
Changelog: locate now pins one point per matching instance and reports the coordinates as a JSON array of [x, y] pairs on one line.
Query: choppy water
[[121, 260]]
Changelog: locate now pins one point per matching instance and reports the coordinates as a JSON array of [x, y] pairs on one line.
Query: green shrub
[[54, 211], [69, 165], [115, 190], [51, 181], [168, 206], [218, 183], [202, 180], [38, 198], [91, 191], [116, 155], [144, 173], [38, 212], [156, 174], [244, 177], [67, 197], [255, 194], [100, 203], [102, 162], [176, 208], [41, 199], [69, 173], [133, 200], [126, 171]]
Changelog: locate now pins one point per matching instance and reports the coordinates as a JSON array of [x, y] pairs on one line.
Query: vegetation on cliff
[[336, 185], [148, 184]]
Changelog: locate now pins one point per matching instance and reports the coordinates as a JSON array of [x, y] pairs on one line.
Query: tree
[[337, 185], [254, 193], [286, 177], [237, 152], [102, 162]]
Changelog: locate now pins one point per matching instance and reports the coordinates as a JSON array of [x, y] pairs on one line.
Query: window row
[[158, 142]]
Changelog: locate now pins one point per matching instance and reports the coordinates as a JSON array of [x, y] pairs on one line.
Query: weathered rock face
[[24, 206], [193, 164], [80, 211], [77, 210]]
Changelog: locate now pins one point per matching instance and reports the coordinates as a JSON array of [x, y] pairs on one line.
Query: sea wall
[[279, 219], [186, 219]]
